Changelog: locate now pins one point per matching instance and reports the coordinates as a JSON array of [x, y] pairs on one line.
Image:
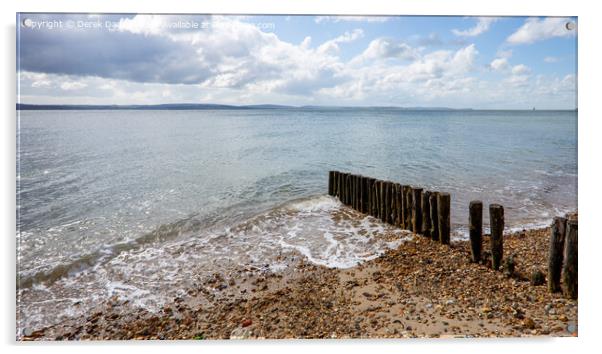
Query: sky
[[406, 61]]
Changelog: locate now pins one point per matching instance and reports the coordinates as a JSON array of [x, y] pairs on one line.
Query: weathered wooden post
[[370, 196], [376, 192], [348, 189], [393, 203], [354, 191], [408, 207], [339, 185], [434, 215], [383, 189], [443, 209], [496, 222], [570, 260], [392, 207], [385, 194], [361, 199], [357, 193], [426, 214], [416, 210], [404, 206], [556, 257], [343, 187], [330, 182], [475, 231], [398, 205]]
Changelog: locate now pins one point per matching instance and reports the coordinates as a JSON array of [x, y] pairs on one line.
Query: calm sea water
[[139, 204]]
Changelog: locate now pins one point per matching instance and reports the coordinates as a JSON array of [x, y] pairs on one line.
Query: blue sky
[[448, 61]]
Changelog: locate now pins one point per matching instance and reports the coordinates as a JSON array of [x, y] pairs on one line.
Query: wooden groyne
[[411, 208], [427, 213]]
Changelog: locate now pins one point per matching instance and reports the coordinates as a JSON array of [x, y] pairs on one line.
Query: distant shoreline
[[195, 106]]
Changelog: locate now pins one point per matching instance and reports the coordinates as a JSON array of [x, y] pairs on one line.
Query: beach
[[420, 289]]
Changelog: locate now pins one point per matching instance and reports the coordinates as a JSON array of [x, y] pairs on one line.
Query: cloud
[[499, 64], [385, 48], [520, 69], [483, 24], [147, 59], [535, 29], [323, 19], [551, 59], [73, 85], [332, 46], [228, 53]]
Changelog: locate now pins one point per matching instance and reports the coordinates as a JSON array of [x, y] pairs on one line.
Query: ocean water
[[141, 204]]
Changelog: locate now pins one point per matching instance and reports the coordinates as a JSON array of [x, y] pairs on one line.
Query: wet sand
[[421, 289]]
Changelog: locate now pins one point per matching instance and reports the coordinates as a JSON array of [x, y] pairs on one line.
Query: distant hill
[[170, 106], [199, 106]]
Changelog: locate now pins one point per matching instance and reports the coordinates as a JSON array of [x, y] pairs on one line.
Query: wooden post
[[360, 192], [391, 203], [354, 191], [433, 198], [330, 182], [398, 206], [408, 207], [416, 210], [556, 257], [475, 222], [496, 215], [370, 196], [348, 189], [360, 201], [426, 214], [443, 206], [351, 190], [339, 185], [376, 199], [343, 187], [570, 260], [387, 200], [382, 192], [404, 206]]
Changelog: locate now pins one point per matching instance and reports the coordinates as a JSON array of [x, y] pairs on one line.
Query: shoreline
[[421, 289]]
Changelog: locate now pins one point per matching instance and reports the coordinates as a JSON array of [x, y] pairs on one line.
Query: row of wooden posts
[[562, 259], [411, 208], [428, 213]]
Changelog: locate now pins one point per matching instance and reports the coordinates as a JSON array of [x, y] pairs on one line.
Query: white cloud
[[535, 29], [499, 64], [36, 79], [320, 19], [238, 63], [72, 85], [483, 24], [520, 69], [383, 48], [332, 46], [440, 73], [551, 59]]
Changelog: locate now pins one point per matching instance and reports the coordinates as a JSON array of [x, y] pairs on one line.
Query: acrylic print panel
[[244, 177]]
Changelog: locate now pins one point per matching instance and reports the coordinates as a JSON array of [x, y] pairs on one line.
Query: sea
[[140, 204]]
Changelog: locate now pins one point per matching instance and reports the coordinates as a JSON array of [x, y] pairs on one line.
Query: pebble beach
[[422, 289]]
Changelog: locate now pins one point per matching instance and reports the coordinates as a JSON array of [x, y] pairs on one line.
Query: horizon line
[[191, 106]]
